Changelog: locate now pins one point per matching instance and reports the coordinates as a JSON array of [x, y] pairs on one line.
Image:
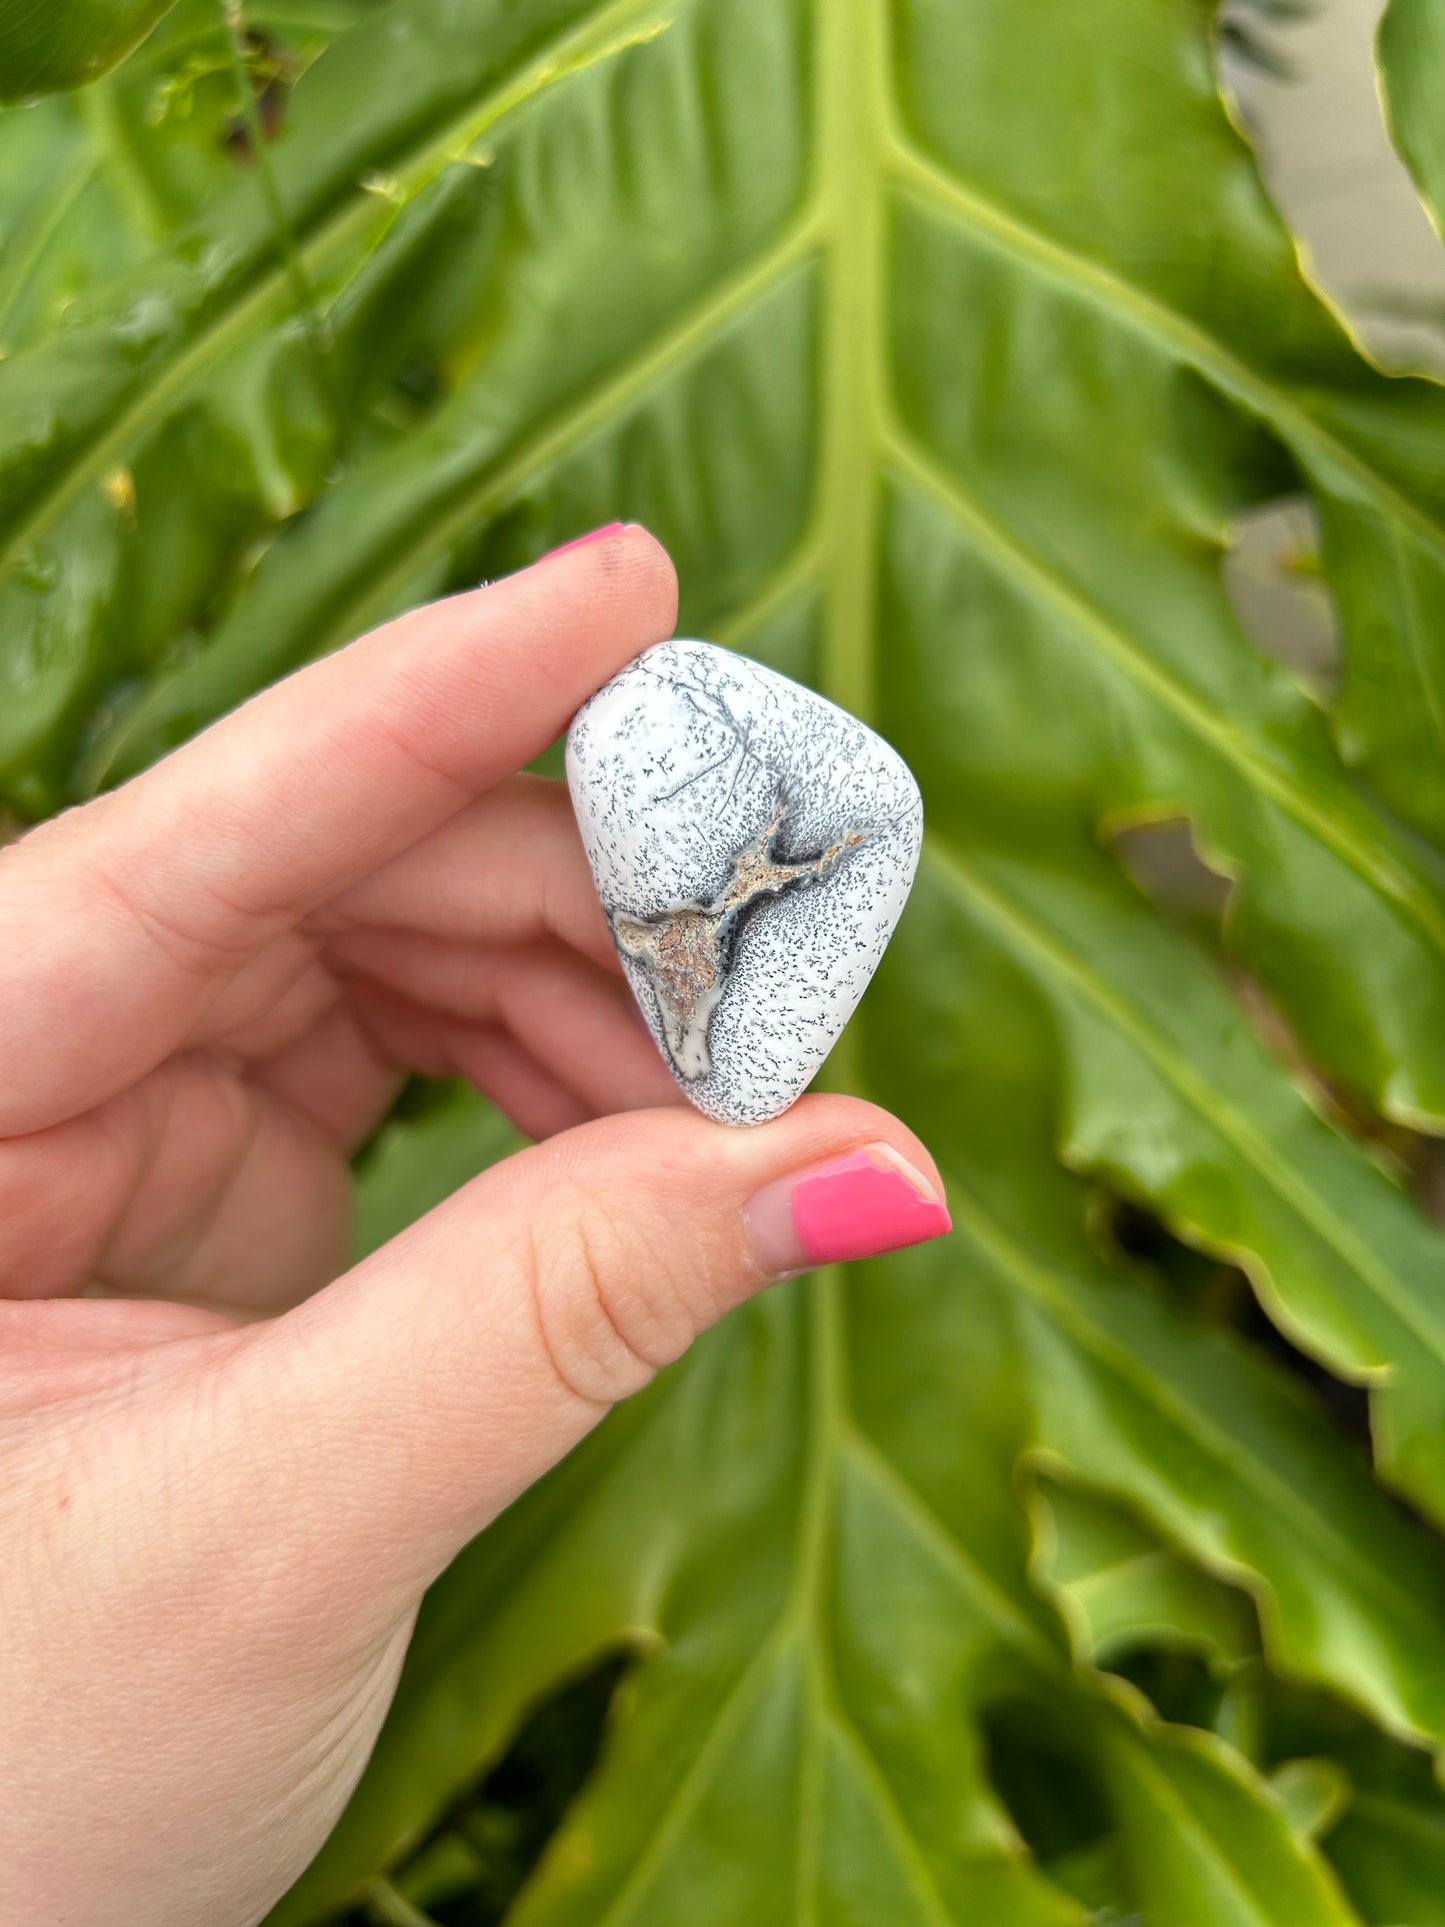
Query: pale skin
[[229, 1466]]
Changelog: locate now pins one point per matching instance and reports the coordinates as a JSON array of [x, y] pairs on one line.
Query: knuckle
[[608, 1310]]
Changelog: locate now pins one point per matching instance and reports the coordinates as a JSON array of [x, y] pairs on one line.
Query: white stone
[[753, 846]]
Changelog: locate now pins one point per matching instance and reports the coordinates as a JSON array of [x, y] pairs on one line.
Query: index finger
[[125, 918]]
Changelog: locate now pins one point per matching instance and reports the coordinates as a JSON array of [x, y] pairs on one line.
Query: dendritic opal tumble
[[753, 846]]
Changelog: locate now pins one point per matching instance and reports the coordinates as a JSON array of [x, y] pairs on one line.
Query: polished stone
[[753, 846]]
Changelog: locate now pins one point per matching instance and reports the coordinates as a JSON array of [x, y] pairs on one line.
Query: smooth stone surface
[[753, 846]]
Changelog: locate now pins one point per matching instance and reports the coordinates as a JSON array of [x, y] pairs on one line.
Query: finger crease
[[179, 945]]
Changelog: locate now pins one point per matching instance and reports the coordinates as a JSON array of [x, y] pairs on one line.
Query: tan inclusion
[[687, 952]]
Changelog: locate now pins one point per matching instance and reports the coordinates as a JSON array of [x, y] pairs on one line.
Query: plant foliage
[[1026, 1579]]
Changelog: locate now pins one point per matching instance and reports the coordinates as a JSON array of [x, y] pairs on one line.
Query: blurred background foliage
[[1088, 1566]]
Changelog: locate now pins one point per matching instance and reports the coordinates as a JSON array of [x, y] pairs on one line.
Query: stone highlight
[[753, 846]]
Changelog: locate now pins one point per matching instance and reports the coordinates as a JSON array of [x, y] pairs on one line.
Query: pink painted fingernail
[[854, 1207], [592, 535]]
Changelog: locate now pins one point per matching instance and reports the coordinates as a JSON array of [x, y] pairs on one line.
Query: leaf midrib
[[847, 108]]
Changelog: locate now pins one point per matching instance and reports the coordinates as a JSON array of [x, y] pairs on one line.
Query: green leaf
[[46, 47], [1313, 1794], [1223, 1458], [1119, 1586], [1391, 1855], [1205, 1842], [1411, 61], [1159, 1088]]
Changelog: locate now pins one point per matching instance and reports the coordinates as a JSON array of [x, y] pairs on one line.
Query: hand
[[225, 1482]]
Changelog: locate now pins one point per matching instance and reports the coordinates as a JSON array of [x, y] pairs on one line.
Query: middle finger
[[506, 869], [578, 1022]]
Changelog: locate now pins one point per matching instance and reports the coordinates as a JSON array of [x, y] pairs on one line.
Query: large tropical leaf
[[943, 343]]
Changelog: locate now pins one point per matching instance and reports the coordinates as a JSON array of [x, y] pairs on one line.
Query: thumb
[[383, 1423]]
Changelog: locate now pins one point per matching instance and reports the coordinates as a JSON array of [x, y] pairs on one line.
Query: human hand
[[224, 1487]]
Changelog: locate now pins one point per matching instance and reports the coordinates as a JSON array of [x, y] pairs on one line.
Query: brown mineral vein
[[687, 952]]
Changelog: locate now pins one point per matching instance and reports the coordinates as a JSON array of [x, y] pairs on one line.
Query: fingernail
[[592, 535], [853, 1207]]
